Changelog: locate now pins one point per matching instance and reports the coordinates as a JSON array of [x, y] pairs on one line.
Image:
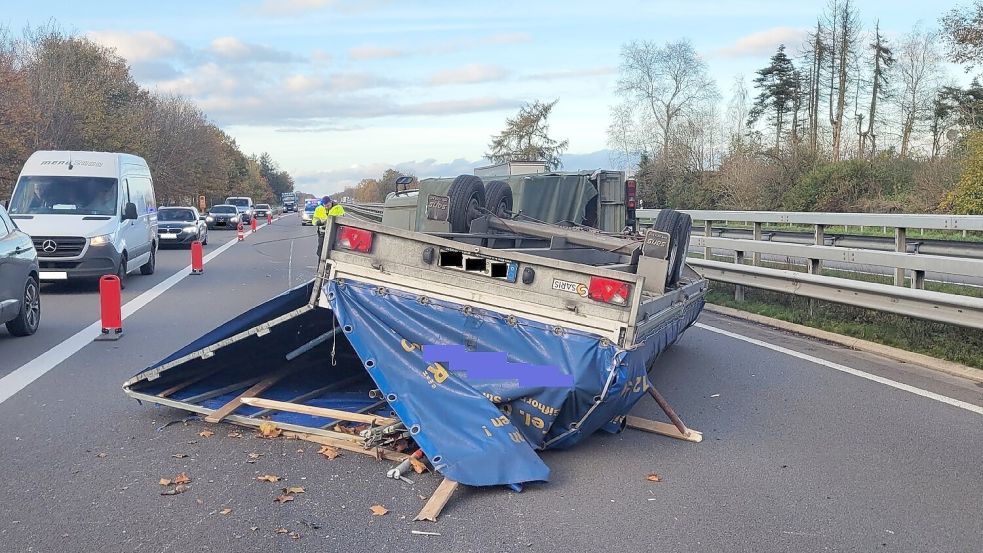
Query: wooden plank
[[437, 501], [662, 428], [318, 411], [253, 390], [376, 453]]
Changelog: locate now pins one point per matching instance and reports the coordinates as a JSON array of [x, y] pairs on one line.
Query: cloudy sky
[[338, 90]]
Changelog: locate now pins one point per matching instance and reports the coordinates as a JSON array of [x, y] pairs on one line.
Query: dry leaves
[[268, 429], [653, 477], [293, 490], [281, 530], [234, 434], [283, 498], [180, 488], [294, 535], [225, 511], [379, 510], [101, 455], [268, 478], [418, 465], [179, 455], [329, 451], [182, 478], [206, 433], [165, 482]]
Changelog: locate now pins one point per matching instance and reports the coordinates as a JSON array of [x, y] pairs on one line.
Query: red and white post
[[240, 233], [197, 261], [111, 307]]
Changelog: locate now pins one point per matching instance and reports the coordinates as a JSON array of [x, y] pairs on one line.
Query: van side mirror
[[129, 211]]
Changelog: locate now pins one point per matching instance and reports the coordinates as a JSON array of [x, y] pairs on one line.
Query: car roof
[[177, 207]]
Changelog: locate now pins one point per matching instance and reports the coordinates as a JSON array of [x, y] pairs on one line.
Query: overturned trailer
[[477, 349]]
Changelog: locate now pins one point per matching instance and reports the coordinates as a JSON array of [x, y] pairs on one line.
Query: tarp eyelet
[[415, 429], [369, 363], [436, 459], [348, 329], [391, 397]]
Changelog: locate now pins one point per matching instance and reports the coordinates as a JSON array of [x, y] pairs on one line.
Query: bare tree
[[815, 54], [671, 81], [623, 137], [918, 70], [883, 60], [737, 113], [841, 41]]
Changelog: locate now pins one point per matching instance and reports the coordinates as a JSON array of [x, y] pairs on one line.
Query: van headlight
[[100, 240]]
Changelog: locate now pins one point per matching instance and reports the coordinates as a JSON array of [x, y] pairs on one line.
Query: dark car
[[20, 291], [222, 216], [261, 211], [180, 226]]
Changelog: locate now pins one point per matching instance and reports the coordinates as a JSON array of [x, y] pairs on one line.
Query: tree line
[[375, 190], [848, 120], [60, 91]]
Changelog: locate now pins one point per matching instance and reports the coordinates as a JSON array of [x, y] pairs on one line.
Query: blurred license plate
[[54, 275], [168, 236]]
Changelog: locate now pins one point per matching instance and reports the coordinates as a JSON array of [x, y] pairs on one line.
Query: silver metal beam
[[892, 220]]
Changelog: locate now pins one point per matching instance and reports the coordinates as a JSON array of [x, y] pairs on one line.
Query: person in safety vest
[[327, 208]]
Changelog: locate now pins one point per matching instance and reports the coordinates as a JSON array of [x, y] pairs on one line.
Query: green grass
[[943, 341]]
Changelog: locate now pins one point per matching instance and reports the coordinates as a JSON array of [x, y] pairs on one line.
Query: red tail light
[[355, 239], [631, 193], [609, 291]]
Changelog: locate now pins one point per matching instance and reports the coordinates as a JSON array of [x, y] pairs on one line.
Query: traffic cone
[[252, 222], [269, 218], [239, 230]]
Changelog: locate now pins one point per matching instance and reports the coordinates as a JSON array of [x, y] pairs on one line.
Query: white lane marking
[[849, 370], [21, 377]]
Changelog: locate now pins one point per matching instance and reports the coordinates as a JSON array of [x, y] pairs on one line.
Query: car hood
[[175, 224], [67, 225], [223, 215]]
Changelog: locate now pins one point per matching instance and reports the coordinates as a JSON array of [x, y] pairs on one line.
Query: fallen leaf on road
[[234, 435], [225, 511], [268, 429], [653, 477], [281, 530], [182, 478], [418, 465], [254, 528], [206, 433], [293, 489], [379, 510], [268, 478], [294, 535], [329, 452], [181, 488], [179, 455], [255, 455], [165, 482], [300, 451], [283, 498], [100, 455]]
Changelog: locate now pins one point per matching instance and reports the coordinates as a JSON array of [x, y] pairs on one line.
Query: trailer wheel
[[678, 226], [498, 198], [466, 196]]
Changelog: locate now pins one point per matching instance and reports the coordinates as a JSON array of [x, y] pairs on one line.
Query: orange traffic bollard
[[240, 233], [269, 218], [252, 222], [110, 303], [197, 264]]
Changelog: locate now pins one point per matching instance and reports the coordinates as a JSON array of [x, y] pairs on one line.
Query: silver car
[[20, 292]]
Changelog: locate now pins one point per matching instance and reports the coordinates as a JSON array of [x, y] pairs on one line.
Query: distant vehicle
[[20, 290], [180, 226], [222, 216], [89, 213], [262, 210], [244, 205], [289, 201], [309, 206]]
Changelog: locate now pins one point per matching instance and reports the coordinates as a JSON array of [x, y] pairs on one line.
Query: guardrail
[[917, 302]]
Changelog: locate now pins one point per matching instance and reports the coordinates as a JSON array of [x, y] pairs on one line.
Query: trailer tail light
[[609, 290], [631, 193], [355, 239]]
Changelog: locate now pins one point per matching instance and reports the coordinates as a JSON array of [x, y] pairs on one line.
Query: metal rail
[[891, 220]]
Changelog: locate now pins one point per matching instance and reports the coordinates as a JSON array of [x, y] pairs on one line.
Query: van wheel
[[29, 318], [121, 272], [498, 198], [150, 266], [466, 197]]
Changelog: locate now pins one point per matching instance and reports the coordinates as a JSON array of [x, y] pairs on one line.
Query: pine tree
[[778, 90]]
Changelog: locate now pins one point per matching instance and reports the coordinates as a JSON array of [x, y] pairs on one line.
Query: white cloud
[[233, 49], [303, 83], [204, 80], [365, 53], [289, 7], [507, 38], [137, 46], [762, 43], [469, 74], [572, 73]]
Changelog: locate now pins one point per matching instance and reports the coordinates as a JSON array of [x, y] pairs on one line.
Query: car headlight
[[100, 240], [190, 229], [209, 218], [234, 219]]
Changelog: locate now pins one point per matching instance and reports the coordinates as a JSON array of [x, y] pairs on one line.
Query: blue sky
[[338, 90]]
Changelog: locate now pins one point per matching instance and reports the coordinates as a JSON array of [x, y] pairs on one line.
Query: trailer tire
[[498, 198], [677, 225], [466, 195]]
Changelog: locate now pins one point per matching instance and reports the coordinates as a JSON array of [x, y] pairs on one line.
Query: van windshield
[[238, 202], [177, 215], [63, 195]]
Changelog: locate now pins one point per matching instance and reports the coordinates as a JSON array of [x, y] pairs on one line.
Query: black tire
[[204, 238], [29, 318], [150, 266], [498, 198], [121, 272], [467, 195], [678, 226]]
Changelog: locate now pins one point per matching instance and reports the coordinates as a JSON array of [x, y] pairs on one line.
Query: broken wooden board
[[376, 452], [253, 391], [317, 411], [663, 429], [437, 501]]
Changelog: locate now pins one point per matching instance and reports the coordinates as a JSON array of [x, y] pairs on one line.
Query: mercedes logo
[[49, 246]]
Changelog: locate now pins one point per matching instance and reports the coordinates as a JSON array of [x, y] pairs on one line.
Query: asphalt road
[[796, 457]]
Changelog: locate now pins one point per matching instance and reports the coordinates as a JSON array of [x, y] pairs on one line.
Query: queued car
[[262, 211], [20, 288], [244, 205], [223, 216], [308, 213], [180, 226]]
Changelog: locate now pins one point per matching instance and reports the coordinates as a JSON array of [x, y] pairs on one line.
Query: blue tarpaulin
[[478, 429]]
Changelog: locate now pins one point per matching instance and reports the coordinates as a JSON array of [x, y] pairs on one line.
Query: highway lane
[[796, 456]]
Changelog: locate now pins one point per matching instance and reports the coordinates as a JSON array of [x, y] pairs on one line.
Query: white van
[[88, 213]]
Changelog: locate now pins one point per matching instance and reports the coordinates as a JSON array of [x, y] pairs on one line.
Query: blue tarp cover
[[478, 416]]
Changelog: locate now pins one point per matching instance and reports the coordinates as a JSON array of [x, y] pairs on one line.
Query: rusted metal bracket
[[676, 430]]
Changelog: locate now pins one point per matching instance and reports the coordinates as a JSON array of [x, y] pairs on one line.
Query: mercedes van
[[88, 213]]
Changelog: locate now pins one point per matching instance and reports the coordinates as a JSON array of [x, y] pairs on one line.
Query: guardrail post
[[900, 245], [756, 256], [707, 232], [739, 289], [918, 280]]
